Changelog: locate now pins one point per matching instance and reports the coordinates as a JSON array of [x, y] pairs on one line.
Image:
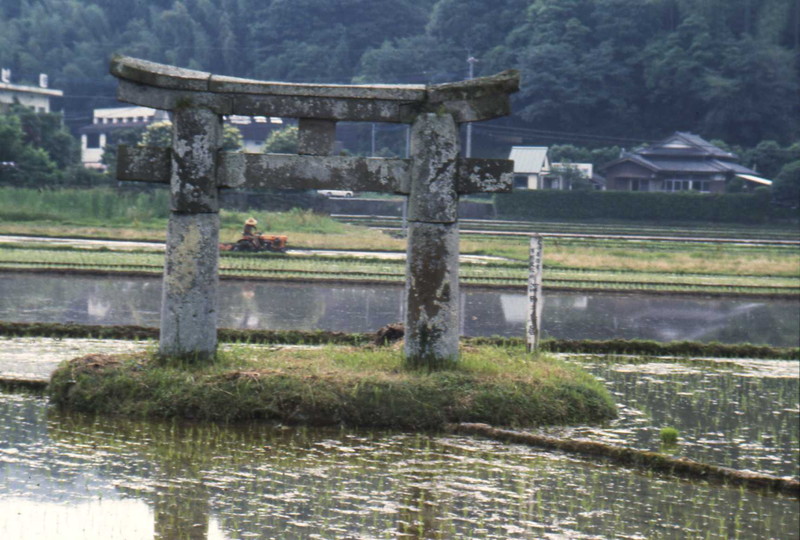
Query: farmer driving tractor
[[252, 240], [250, 233], [250, 227]]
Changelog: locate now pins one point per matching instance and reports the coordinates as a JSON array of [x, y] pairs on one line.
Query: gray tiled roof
[[683, 153], [682, 143]]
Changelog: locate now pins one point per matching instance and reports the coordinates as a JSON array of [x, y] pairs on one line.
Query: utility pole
[[471, 61]]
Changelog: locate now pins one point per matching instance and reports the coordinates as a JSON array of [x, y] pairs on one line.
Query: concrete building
[[107, 122], [33, 97]]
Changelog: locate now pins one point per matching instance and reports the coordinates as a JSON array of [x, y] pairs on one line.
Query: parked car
[[335, 193]]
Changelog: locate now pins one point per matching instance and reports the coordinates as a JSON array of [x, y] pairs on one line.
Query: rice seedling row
[[508, 274], [651, 245]]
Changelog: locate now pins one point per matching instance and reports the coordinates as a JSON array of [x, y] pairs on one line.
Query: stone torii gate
[[432, 177]]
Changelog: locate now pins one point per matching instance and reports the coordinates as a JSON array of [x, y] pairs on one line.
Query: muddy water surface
[[111, 479], [89, 477]]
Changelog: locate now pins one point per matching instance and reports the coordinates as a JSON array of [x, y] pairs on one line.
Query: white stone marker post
[[533, 326]]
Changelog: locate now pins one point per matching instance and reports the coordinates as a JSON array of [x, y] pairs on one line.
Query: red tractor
[[257, 243]]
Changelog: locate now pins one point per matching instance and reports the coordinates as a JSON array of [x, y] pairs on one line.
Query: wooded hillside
[[606, 71]]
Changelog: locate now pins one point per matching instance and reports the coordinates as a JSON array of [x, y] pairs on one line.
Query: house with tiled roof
[[531, 167], [681, 162]]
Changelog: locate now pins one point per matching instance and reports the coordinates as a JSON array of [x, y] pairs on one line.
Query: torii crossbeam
[[432, 177]]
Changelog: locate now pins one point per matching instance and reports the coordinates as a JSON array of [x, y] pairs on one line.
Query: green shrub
[[88, 206], [633, 205]]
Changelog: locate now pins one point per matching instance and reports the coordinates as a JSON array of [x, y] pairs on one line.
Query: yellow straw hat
[[251, 221]]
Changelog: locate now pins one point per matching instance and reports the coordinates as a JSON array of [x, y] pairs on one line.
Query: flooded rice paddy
[[113, 478], [742, 414], [359, 308]]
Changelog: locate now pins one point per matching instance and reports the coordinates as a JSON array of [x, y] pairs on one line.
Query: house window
[[676, 185], [640, 184], [92, 140], [520, 181], [686, 185]]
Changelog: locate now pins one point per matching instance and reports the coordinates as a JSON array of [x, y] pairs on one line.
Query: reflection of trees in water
[[421, 515], [762, 324], [484, 315], [86, 300], [355, 308], [269, 305], [308, 306]]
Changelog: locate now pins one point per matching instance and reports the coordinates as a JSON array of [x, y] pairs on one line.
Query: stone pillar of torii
[[433, 177]]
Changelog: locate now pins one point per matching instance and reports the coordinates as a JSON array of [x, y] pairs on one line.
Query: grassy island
[[351, 386]]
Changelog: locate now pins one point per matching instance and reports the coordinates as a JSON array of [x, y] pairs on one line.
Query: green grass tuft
[[669, 436]]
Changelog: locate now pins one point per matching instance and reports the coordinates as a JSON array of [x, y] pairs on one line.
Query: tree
[[675, 66], [232, 140], [129, 136], [571, 177], [22, 162], [753, 95], [786, 188], [47, 131], [160, 134], [157, 134], [768, 158], [282, 141]]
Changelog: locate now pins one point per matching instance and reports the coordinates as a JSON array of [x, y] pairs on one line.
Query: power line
[[533, 132]]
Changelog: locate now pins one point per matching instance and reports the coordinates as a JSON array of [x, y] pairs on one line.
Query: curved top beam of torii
[[167, 87]]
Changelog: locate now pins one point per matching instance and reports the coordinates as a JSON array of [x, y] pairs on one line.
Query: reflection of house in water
[[97, 308], [515, 306]]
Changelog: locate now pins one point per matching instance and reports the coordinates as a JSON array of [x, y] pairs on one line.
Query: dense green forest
[[597, 75], [593, 71]]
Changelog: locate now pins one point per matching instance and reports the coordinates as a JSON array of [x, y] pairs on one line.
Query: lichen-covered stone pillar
[[189, 298], [432, 296]]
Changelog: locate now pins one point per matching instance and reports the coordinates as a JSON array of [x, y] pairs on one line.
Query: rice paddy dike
[[759, 260]]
